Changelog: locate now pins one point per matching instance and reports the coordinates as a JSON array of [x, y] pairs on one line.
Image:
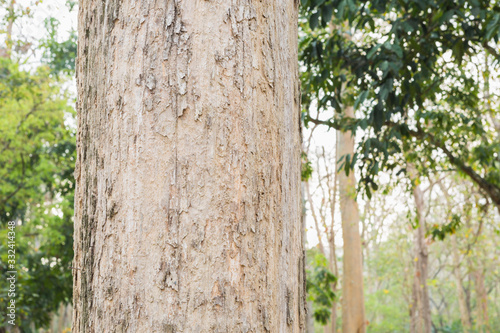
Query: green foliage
[[319, 286], [60, 56], [409, 69], [307, 169], [456, 327], [386, 291], [37, 156], [36, 191], [440, 231]]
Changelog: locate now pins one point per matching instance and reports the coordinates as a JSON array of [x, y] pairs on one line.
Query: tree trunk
[[61, 320], [315, 218], [420, 311], [482, 301], [461, 297], [332, 261], [11, 17], [462, 301], [331, 327], [310, 318], [187, 205], [353, 308]]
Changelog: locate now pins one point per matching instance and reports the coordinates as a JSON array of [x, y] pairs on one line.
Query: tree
[[187, 206], [323, 216], [412, 70], [353, 319], [409, 83], [353, 306], [461, 297], [420, 308]]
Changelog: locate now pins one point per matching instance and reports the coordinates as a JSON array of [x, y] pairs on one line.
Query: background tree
[[414, 68], [418, 74], [321, 202]]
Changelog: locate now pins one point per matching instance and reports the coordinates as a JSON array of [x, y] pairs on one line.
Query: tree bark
[[353, 308], [187, 205], [420, 310]]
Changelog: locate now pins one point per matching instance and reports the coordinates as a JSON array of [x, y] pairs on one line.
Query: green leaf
[[399, 51], [354, 159], [314, 20], [326, 13], [361, 98], [373, 50], [335, 104], [340, 9], [378, 117], [368, 192], [347, 165], [385, 90]]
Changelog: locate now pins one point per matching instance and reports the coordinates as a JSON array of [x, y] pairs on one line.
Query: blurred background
[[37, 157]]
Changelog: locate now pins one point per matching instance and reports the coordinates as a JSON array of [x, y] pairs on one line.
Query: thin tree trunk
[[7, 51], [331, 327], [315, 219], [309, 304], [420, 310], [479, 277], [487, 95], [462, 301], [310, 318], [353, 308], [187, 205], [61, 320], [332, 261], [482, 302]]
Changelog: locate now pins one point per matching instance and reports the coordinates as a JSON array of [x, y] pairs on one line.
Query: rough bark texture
[[420, 308], [187, 207], [353, 307]]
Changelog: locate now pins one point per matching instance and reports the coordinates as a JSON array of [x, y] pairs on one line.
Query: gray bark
[[187, 205]]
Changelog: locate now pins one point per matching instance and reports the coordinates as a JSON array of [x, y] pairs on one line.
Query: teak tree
[[187, 205]]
